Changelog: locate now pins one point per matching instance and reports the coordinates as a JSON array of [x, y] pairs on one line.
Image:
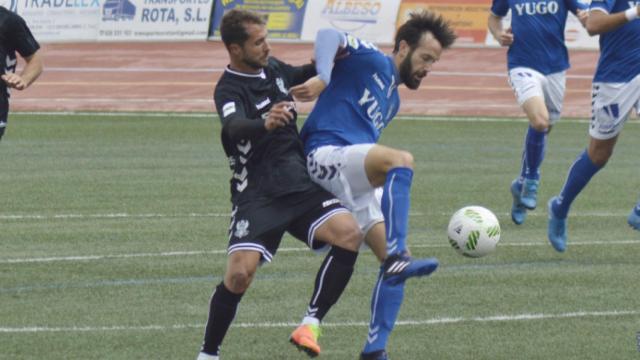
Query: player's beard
[[255, 63], [406, 74]]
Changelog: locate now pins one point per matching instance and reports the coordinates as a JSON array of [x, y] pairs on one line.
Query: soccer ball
[[474, 231]]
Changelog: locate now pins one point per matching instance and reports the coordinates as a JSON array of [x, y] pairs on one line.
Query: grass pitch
[[113, 231]]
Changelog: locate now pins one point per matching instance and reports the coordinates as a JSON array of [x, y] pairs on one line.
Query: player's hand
[[505, 38], [583, 15], [309, 90], [279, 115], [14, 81]]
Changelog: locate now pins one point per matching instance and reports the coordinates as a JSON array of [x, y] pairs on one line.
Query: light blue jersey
[[619, 49], [360, 100], [538, 32]]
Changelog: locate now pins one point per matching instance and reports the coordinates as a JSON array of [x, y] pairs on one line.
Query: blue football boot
[[529, 198], [518, 211], [399, 267], [556, 229]]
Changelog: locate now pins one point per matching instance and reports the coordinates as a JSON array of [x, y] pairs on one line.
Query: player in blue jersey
[[615, 93], [537, 62], [340, 135]]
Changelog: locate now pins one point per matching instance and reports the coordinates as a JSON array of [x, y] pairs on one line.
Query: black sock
[[222, 310], [332, 279]]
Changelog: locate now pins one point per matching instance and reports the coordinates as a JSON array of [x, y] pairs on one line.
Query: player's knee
[[600, 157], [238, 280], [403, 159], [349, 236], [540, 122]]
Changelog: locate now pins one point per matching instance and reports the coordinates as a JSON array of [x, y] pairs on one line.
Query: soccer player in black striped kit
[[15, 36], [271, 191]]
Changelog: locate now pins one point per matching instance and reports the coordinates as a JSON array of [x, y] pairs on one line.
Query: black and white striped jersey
[[264, 164], [14, 36]]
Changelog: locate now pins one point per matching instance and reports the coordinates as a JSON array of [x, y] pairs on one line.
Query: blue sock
[[385, 306], [523, 167], [534, 144], [580, 173], [395, 207]]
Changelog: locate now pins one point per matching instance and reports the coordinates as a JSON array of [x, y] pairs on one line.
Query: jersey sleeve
[[603, 5], [235, 124], [23, 41], [500, 7]]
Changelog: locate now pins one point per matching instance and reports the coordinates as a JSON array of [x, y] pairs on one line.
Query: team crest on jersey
[[242, 229], [281, 86]]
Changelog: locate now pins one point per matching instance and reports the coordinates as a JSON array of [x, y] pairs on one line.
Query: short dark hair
[[421, 22], [232, 28]]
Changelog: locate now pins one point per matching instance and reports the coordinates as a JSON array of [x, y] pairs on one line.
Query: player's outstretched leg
[[331, 280], [634, 217], [385, 306], [222, 310], [580, 173]]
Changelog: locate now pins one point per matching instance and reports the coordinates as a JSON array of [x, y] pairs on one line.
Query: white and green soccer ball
[[474, 231]]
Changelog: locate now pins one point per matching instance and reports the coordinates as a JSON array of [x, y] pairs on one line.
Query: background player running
[[537, 62], [616, 92]]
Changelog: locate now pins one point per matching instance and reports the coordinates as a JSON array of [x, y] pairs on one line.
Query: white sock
[[203, 356], [309, 320]]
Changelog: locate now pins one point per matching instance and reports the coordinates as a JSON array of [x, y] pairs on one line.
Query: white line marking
[[107, 216], [426, 322], [197, 215], [295, 249], [219, 70]]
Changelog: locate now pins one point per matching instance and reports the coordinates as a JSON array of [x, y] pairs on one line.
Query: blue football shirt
[[619, 49], [360, 100], [538, 32]]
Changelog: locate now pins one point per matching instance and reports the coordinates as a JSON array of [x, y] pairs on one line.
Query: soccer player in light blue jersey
[[340, 135], [615, 93], [537, 62]]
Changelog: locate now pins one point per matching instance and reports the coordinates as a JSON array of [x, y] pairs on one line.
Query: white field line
[[221, 69], [413, 323], [211, 115], [225, 215], [427, 118], [281, 250]]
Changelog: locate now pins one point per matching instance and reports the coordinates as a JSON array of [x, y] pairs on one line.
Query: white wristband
[[631, 14]]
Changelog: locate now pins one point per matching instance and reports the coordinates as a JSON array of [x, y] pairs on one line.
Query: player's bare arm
[[600, 22], [502, 36], [30, 73], [309, 90]]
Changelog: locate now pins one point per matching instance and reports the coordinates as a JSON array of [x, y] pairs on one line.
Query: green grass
[[127, 217]]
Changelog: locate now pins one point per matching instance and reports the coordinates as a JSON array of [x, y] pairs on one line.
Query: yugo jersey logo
[[537, 8]]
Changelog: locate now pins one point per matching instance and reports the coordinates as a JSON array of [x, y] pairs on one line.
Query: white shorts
[[527, 83], [340, 170], [611, 104]]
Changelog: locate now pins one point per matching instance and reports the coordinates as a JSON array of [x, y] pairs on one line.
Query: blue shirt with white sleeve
[[360, 99], [538, 29], [619, 49]]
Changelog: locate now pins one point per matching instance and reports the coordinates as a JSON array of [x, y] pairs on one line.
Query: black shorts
[[260, 225]]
